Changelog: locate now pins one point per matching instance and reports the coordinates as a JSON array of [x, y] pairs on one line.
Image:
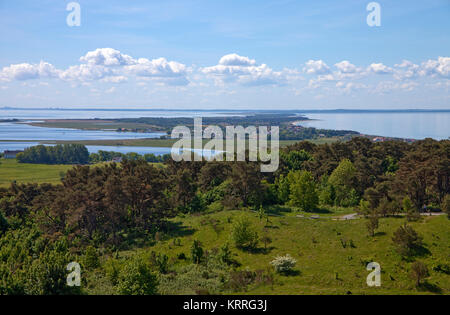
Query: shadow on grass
[[176, 229], [379, 234], [430, 287], [320, 211], [292, 273], [262, 250]]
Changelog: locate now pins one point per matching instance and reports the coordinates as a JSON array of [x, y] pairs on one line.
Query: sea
[[19, 135]]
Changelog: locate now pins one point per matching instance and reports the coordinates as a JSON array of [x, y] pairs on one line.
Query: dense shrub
[[244, 235], [283, 264], [136, 278]]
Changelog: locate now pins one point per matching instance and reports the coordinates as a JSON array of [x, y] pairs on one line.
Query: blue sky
[[225, 54]]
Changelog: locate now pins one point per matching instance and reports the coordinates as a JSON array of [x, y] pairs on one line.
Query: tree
[[406, 240], [372, 223], [266, 240], [364, 207], [90, 259], [303, 193], [344, 180], [282, 183], [419, 271], [446, 205], [196, 252], [47, 275], [283, 264], [136, 278], [244, 235], [411, 213]]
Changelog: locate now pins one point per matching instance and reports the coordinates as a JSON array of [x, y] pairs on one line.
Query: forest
[[103, 212]]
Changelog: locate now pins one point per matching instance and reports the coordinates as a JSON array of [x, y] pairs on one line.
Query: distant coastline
[[300, 111]]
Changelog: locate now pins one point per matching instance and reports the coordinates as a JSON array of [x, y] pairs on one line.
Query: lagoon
[[413, 125]]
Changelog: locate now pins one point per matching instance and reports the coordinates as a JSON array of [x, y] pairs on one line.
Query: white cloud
[[316, 67], [439, 67], [157, 68], [236, 60], [107, 57], [346, 67], [85, 72], [406, 70], [26, 71], [379, 68], [115, 79], [243, 70]]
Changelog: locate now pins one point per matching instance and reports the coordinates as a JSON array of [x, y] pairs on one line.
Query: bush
[[136, 278], [419, 271], [209, 277], [244, 235], [90, 259], [283, 264], [196, 252], [406, 240]]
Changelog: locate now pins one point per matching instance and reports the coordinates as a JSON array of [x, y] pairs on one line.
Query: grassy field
[[324, 266], [10, 171]]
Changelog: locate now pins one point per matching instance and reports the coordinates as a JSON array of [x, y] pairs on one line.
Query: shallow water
[[402, 125]]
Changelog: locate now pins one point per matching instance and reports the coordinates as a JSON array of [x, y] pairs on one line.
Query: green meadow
[[324, 264], [11, 171]]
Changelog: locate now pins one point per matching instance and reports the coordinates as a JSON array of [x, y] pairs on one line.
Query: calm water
[[105, 114], [403, 125], [95, 148], [20, 131]]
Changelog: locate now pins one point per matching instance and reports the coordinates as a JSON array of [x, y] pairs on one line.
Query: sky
[[233, 54]]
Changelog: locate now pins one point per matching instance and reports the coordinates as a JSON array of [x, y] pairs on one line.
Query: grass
[[324, 266], [10, 171]]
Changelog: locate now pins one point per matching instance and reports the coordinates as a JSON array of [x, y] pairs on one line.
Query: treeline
[[106, 156], [78, 154], [58, 154], [304, 133]]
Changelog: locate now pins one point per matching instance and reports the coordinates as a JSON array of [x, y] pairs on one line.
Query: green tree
[[419, 271], [411, 212], [136, 278], [406, 240], [372, 223], [446, 205], [344, 180], [196, 252], [90, 259], [243, 234], [282, 183], [303, 193]]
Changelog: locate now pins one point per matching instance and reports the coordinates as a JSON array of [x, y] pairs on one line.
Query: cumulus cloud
[[243, 70], [105, 64], [439, 67], [406, 70], [26, 71], [346, 67], [236, 60], [157, 68], [106, 57], [379, 68], [316, 67]]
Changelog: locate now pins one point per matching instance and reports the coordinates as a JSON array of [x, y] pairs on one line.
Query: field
[[10, 171], [324, 266]]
